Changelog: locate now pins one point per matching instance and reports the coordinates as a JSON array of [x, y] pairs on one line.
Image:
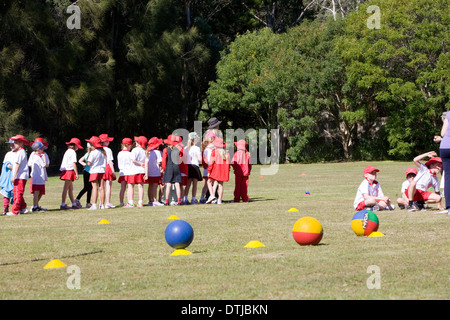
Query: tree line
[[314, 69]]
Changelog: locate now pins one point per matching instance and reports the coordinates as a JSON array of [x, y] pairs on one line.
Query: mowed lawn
[[129, 258]]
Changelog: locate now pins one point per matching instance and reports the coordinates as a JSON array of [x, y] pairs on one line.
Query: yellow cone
[[173, 217], [254, 244], [376, 234], [181, 252], [103, 221], [54, 264], [293, 210]]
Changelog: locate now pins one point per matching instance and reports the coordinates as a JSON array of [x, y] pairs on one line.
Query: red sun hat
[[370, 169], [21, 138], [154, 143], [141, 140], [433, 160], [411, 170], [39, 140], [104, 137], [76, 142], [127, 141], [172, 140], [95, 141], [241, 144]]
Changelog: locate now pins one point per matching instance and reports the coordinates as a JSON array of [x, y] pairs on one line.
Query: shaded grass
[[129, 258]]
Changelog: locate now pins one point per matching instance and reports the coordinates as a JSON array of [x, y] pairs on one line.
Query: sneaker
[[129, 205], [109, 206], [23, 211], [11, 214], [150, 203], [390, 207], [420, 205], [140, 205], [157, 204], [102, 206], [411, 207], [173, 203], [35, 209], [202, 200], [211, 199], [64, 207], [42, 209], [88, 205], [441, 212], [93, 207], [194, 201], [78, 204]]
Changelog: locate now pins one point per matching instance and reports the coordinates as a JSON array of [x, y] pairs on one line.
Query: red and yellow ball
[[307, 231]]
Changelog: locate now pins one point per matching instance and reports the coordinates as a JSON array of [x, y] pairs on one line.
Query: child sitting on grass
[[369, 195]]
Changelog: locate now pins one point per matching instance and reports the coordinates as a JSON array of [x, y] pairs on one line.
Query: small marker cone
[[254, 244], [376, 234], [173, 217], [293, 210], [181, 252], [103, 221], [303, 174], [261, 177], [54, 264]]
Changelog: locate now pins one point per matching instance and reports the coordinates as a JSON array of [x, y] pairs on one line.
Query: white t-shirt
[[38, 169], [425, 179], [405, 186], [207, 154], [154, 159], [124, 162], [373, 190], [11, 157], [98, 161], [70, 157], [137, 154], [109, 154], [193, 155], [21, 159]]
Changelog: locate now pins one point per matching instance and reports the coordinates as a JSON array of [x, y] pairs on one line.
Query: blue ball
[[179, 234]]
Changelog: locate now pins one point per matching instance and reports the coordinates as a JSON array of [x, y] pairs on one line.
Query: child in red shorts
[[69, 172]]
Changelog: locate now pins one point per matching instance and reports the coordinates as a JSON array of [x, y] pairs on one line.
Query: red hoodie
[[241, 163]]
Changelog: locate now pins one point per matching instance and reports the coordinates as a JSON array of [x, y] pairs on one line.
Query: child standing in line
[[410, 175], [69, 172], [183, 167], [207, 148], [242, 168], [87, 186], [97, 163], [6, 184], [153, 161], [369, 194], [137, 171], [194, 158], [110, 174], [19, 176], [425, 178], [170, 164], [218, 170], [124, 163], [38, 162]]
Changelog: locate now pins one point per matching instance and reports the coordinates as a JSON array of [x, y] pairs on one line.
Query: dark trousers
[[87, 187], [445, 156]]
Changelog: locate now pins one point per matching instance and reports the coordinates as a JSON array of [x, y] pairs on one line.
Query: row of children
[[144, 164], [414, 189]]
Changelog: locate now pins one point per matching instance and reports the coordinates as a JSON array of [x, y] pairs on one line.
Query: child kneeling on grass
[[370, 195]]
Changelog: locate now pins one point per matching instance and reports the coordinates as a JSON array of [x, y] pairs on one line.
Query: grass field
[[129, 258]]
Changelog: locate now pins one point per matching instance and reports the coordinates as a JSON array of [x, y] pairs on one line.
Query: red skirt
[[109, 175], [122, 178], [37, 187], [136, 178], [95, 176], [154, 180], [67, 175]]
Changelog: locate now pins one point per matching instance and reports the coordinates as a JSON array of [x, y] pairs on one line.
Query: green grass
[[129, 258]]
